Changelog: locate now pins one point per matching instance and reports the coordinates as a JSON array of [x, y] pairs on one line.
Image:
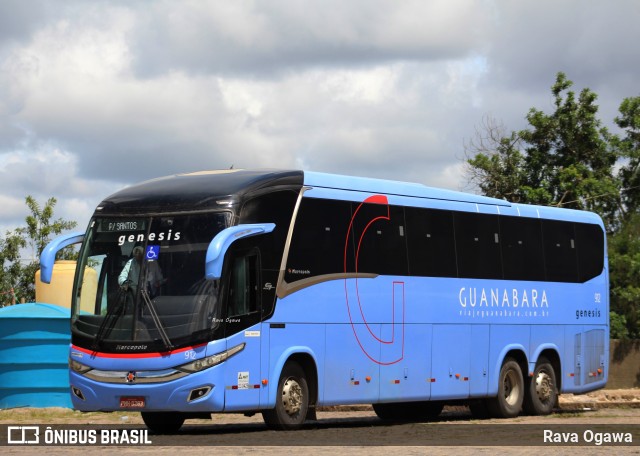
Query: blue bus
[[280, 291]]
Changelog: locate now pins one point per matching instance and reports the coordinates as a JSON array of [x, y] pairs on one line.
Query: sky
[[98, 95]]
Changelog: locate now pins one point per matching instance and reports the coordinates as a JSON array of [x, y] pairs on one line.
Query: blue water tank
[[34, 352]]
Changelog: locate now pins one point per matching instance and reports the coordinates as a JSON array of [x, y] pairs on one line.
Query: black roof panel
[[196, 191]]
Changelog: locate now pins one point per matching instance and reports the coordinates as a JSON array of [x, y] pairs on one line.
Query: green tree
[[497, 165], [629, 146], [564, 158], [18, 275], [567, 158], [40, 227], [10, 267], [624, 274], [624, 245]]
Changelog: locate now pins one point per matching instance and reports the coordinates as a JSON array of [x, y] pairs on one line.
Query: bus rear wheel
[[163, 422], [542, 393], [292, 400], [508, 403]]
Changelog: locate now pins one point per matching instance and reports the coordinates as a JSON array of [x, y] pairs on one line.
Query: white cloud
[[258, 38], [95, 96]]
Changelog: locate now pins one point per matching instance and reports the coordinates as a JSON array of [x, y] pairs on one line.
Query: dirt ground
[[596, 400], [604, 398], [612, 408]]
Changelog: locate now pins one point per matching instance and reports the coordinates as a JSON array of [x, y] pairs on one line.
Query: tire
[[408, 411], [511, 391], [163, 422], [542, 393], [292, 400], [386, 412]]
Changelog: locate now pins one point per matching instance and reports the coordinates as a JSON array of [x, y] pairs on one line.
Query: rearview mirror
[[48, 255], [223, 240]]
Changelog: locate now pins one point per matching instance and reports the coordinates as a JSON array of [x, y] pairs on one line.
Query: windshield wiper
[[111, 318], [156, 319]]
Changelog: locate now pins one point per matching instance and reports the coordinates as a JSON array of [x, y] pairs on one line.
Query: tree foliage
[[629, 146], [17, 275], [11, 270], [624, 273], [566, 158]]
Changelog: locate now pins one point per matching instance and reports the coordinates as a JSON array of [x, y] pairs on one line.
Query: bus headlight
[[210, 361]]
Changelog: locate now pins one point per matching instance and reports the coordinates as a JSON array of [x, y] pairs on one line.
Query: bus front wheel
[[292, 400], [508, 403], [542, 393], [163, 422]]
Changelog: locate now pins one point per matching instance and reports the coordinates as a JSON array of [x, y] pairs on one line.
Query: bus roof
[[202, 190], [388, 187], [205, 190]]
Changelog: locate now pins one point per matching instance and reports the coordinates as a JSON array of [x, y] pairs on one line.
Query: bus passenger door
[[242, 326]]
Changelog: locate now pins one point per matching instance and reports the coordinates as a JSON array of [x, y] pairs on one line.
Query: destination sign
[[110, 226]]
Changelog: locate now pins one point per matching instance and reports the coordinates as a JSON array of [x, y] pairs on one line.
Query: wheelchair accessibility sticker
[[152, 253]]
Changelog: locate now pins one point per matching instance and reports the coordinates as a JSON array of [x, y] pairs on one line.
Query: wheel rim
[[544, 386], [291, 396], [511, 388]]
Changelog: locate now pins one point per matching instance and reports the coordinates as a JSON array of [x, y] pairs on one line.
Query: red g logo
[[383, 346]]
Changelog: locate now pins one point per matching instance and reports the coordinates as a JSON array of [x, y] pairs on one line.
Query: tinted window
[[521, 242], [590, 246], [143, 279], [391, 240], [318, 242], [477, 245], [243, 296], [431, 247], [378, 232], [559, 251], [276, 207]]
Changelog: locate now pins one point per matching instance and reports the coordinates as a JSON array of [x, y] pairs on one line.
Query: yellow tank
[[59, 290]]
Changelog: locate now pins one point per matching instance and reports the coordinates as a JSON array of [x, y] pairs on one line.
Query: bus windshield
[[141, 283]]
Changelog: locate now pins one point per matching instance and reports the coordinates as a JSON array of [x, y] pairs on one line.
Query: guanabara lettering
[[497, 297]]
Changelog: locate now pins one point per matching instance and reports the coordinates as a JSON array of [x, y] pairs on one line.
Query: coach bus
[[280, 291]]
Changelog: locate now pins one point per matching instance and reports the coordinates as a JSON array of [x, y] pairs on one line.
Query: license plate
[[131, 402]]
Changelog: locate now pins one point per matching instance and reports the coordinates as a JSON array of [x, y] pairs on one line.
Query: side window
[[590, 246], [431, 247], [244, 300], [478, 245], [379, 237], [318, 242], [521, 241], [243, 286], [276, 207], [560, 251]]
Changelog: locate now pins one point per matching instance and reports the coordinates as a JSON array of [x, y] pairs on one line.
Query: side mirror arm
[[48, 255], [223, 240]]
